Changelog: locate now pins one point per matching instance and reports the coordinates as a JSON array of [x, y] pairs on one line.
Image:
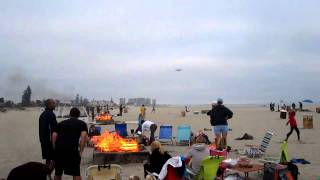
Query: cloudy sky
[[245, 51]]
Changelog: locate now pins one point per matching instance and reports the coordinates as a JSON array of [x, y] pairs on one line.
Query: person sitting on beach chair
[[157, 159], [198, 151]]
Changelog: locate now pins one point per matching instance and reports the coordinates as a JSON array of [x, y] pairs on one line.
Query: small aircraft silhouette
[[178, 70]]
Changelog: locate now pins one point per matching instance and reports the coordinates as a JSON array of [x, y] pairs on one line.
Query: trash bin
[[121, 129], [307, 121], [283, 114]]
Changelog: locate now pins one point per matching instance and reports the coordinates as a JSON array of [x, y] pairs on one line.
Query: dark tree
[[26, 97]]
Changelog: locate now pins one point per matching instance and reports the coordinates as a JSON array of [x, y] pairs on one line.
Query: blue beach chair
[[121, 129], [165, 134], [184, 134]]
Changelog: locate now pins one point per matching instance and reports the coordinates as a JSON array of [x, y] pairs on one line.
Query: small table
[[246, 170]]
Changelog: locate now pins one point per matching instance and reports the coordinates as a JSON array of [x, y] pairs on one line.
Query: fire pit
[[110, 147], [104, 118]]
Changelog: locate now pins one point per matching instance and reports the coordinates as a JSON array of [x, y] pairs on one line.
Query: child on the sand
[[293, 124]]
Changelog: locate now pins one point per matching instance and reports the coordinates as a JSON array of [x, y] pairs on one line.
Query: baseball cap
[[220, 100]]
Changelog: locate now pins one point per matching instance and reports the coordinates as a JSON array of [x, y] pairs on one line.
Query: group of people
[[159, 158], [285, 107], [63, 143]]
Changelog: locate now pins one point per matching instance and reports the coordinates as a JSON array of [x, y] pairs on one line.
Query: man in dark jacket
[[219, 115], [47, 124]]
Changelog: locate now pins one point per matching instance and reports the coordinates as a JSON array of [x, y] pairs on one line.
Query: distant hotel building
[[139, 101], [122, 101]]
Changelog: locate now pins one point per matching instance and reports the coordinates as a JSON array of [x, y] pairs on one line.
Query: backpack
[[274, 171], [294, 170]]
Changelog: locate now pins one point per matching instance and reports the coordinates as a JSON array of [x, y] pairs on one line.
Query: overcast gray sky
[[243, 51]]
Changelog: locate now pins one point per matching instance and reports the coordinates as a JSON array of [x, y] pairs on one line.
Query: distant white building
[[139, 101], [122, 101]]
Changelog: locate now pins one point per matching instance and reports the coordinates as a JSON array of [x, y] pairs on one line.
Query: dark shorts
[[67, 163]]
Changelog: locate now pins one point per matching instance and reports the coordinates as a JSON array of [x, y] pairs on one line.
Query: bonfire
[[104, 117], [113, 142]]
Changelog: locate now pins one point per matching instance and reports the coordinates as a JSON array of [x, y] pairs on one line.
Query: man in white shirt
[[149, 126]]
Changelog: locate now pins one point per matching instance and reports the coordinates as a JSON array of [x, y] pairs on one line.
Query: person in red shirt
[[293, 124]]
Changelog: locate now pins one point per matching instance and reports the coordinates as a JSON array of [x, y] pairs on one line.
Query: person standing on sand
[[69, 139], [120, 110], [293, 124], [47, 124], [143, 111], [153, 108], [300, 106], [219, 116]]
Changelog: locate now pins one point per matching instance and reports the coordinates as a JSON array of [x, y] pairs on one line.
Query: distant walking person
[[300, 106], [153, 108], [293, 124], [219, 116], [186, 108], [143, 111], [47, 124], [92, 113], [120, 110], [69, 140], [293, 106]]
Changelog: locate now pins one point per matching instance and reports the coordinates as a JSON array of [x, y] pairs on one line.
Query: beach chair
[[101, 172], [257, 151], [165, 134], [121, 129], [172, 173], [183, 134], [209, 168], [98, 130]]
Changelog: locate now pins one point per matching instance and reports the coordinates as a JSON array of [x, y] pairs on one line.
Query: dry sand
[[20, 142]]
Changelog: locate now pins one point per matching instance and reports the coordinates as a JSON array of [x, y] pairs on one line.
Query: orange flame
[[104, 117], [113, 142]]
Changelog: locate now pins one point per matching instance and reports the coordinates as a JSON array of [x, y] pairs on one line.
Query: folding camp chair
[[184, 134], [100, 172], [255, 151], [209, 168], [165, 134]]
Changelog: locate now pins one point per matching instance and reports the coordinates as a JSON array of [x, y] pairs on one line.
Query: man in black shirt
[[68, 151], [47, 124]]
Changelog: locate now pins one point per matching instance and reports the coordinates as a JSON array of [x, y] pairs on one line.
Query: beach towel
[[245, 137], [300, 161]]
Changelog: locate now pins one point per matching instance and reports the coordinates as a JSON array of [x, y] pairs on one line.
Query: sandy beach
[[20, 142]]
